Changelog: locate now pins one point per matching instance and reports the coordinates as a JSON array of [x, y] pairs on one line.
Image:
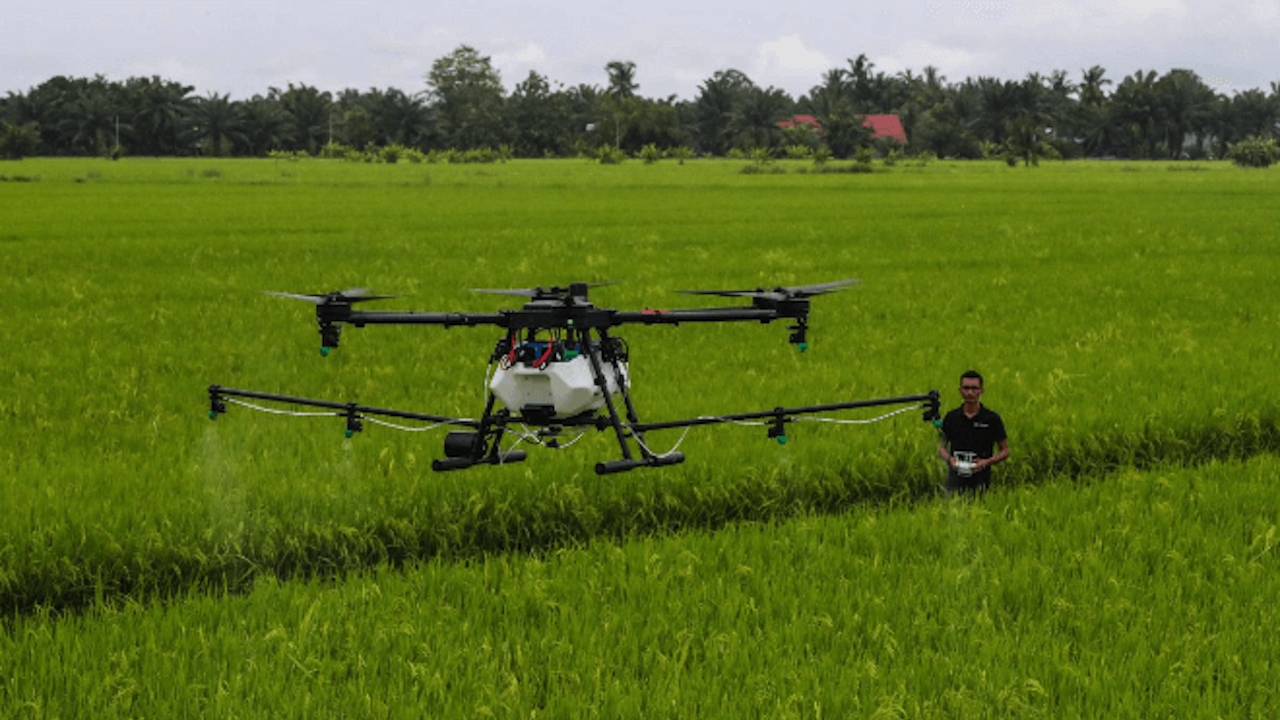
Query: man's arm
[[944, 450], [1001, 455]]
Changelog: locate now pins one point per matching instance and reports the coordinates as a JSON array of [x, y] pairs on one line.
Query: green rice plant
[[1129, 595], [1123, 318]]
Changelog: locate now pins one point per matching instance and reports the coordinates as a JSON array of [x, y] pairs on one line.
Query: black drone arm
[[675, 317], [797, 310], [352, 411], [360, 318], [929, 401], [776, 419]]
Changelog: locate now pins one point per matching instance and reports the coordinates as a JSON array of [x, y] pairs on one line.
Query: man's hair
[[973, 374]]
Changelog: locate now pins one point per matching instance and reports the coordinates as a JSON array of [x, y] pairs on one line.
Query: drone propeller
[[353, 295], [332, 308], [539, 293], [779, 293]]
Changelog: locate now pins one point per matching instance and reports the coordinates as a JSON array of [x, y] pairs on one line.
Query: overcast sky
[[244, 47]]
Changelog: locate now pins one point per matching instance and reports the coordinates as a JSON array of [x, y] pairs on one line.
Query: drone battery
[[567, 386]]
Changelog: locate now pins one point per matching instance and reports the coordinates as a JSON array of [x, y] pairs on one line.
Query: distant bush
[[798, 152], [18, 141], [680, 153], [290, 155], [1254, 152], [335, 151], [650, 154], [853, 169], [396, 152], [610, 155], [760, 155]]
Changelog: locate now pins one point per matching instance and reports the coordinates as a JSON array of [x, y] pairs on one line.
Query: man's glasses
[[970, 387]]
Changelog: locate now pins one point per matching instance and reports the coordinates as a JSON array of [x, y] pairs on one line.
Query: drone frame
[[587, 328]]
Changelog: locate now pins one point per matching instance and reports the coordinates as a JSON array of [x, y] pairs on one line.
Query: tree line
[[465, 106]]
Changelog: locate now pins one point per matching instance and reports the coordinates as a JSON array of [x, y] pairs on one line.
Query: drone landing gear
[[616, 466]]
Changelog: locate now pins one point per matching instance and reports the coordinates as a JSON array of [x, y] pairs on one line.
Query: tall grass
[[1134, 595], [1122, 314]]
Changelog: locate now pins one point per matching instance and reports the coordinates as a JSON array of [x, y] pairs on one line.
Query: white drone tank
[[565, 385]]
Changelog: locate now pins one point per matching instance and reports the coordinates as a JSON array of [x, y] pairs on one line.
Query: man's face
[[970, 389]]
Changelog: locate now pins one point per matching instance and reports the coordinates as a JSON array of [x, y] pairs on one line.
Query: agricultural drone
[[560, 368]]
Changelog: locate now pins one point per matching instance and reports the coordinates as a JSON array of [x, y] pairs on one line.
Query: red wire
[[543, 360]]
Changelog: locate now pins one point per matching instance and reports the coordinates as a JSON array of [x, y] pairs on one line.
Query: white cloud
[[514, 65], [787, 59], [954, 63], [1264, 11], [1127, 14]]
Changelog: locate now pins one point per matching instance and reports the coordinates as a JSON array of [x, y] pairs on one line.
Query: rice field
[[1124, 314], [1145, 594]]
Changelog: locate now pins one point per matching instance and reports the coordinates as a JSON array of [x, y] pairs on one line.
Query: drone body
[[559, 388], [559, 366]]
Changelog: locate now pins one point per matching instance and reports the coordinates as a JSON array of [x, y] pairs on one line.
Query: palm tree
[[1136, 111], [158, 109], [217, 125], [933, 78], [1093, 115], [399, 118], [264, 124], [622, 78], [833, 96], [92, 122], [718, 95], [308, 111], [1186, 110], [755, 118], [1091, 92]]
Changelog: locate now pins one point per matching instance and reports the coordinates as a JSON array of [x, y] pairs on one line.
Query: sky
[[244, 47]]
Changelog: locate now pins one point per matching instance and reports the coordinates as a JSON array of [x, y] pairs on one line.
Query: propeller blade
[[725, 293], [819, 289], [314, 299], [518, 292], [778, 293], [536, 293], [353, 295]]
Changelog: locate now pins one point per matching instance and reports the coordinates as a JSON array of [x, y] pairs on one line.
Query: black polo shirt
[[978, 434]]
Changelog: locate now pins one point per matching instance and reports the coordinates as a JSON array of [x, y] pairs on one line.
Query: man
[[973, 439]]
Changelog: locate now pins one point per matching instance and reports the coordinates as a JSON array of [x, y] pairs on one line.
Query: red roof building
[[882, 126]]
